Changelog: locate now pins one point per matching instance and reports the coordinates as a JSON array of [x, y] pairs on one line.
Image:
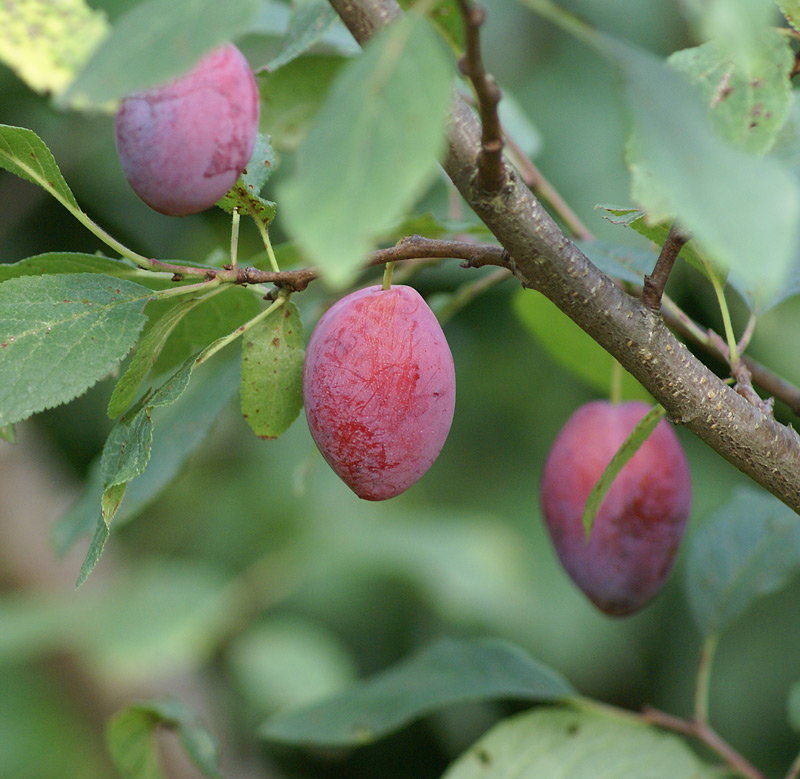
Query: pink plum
[[639, 525], [379, 389], [183, 144]]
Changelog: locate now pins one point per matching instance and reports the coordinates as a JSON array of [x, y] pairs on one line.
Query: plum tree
[[639, 525], [379, 389], [183, 144]]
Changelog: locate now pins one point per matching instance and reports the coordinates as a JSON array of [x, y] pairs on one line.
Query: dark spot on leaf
[[573, 729], [276, 342], [4, 344], [483, 756]]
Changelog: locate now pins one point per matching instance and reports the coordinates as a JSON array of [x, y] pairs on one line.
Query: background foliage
[[257, 581]]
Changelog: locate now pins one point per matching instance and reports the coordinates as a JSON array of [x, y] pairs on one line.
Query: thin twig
[[655, 283], [491, 174], [704, 733]]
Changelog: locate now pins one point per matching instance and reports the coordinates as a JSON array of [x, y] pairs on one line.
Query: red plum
[[379, 389], [183, 144], [637, 530]]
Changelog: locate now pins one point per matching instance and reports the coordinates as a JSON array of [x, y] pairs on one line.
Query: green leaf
[[126, 454], [60, 334], [561, 742], [244, 194], [292, 95], [570, 347], [748, 548], [145, 357], [182, 427], [624, 263], [793, 706], [154, 42], [791, 10], [8, 433], [272, 372], [211, 319], [629, 447], [448, 21], [309, 20], [748, 105], [743, 211], [637, 220], [445, 674], [372, 149], [47, 43], [75, 262], [131, 743], [24, 154]]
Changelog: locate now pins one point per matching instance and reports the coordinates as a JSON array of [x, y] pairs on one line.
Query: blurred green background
[[258, 581]]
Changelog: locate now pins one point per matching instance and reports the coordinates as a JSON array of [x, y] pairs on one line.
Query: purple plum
[[183, 144], [379, 389], [637, 530]]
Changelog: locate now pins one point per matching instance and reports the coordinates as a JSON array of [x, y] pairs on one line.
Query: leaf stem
[[220, 343], [262, 228], [703, 678], [187, 289], [235, 236], [726, 316]]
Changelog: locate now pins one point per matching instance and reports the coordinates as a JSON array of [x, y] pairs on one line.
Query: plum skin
[[637, 530], [379, 389], [182, 145]]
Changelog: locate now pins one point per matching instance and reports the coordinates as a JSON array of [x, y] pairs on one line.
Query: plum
[[637, 530], [379, 389], [183, 144]]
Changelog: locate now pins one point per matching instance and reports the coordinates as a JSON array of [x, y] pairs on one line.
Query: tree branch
[[655, 283], [490, 159], [543, 258]]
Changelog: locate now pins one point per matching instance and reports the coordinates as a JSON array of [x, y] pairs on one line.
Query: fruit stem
[[235, 237], [616, 383], [388, 269]]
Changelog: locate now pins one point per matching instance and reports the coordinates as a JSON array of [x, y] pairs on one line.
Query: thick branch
[[543, 258]]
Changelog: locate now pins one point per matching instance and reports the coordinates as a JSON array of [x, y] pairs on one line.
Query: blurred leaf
[[245, 193], [791, 10], [624, 263], [74, 262], [748, 548], [372, 148], [24, 154], [154, 42], [549, 742], [748, 105], [743, 211], [60, 334], [8, 433], [130, 739], [519, 125], [272, 372], [570, 347], [657, 233], [47, 43], [145, 356], [793, 706], [309, 20], [629, 447], [447, 673], [182, 427], [126, 454], [447, 20], [283, 662], [291, 96]]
